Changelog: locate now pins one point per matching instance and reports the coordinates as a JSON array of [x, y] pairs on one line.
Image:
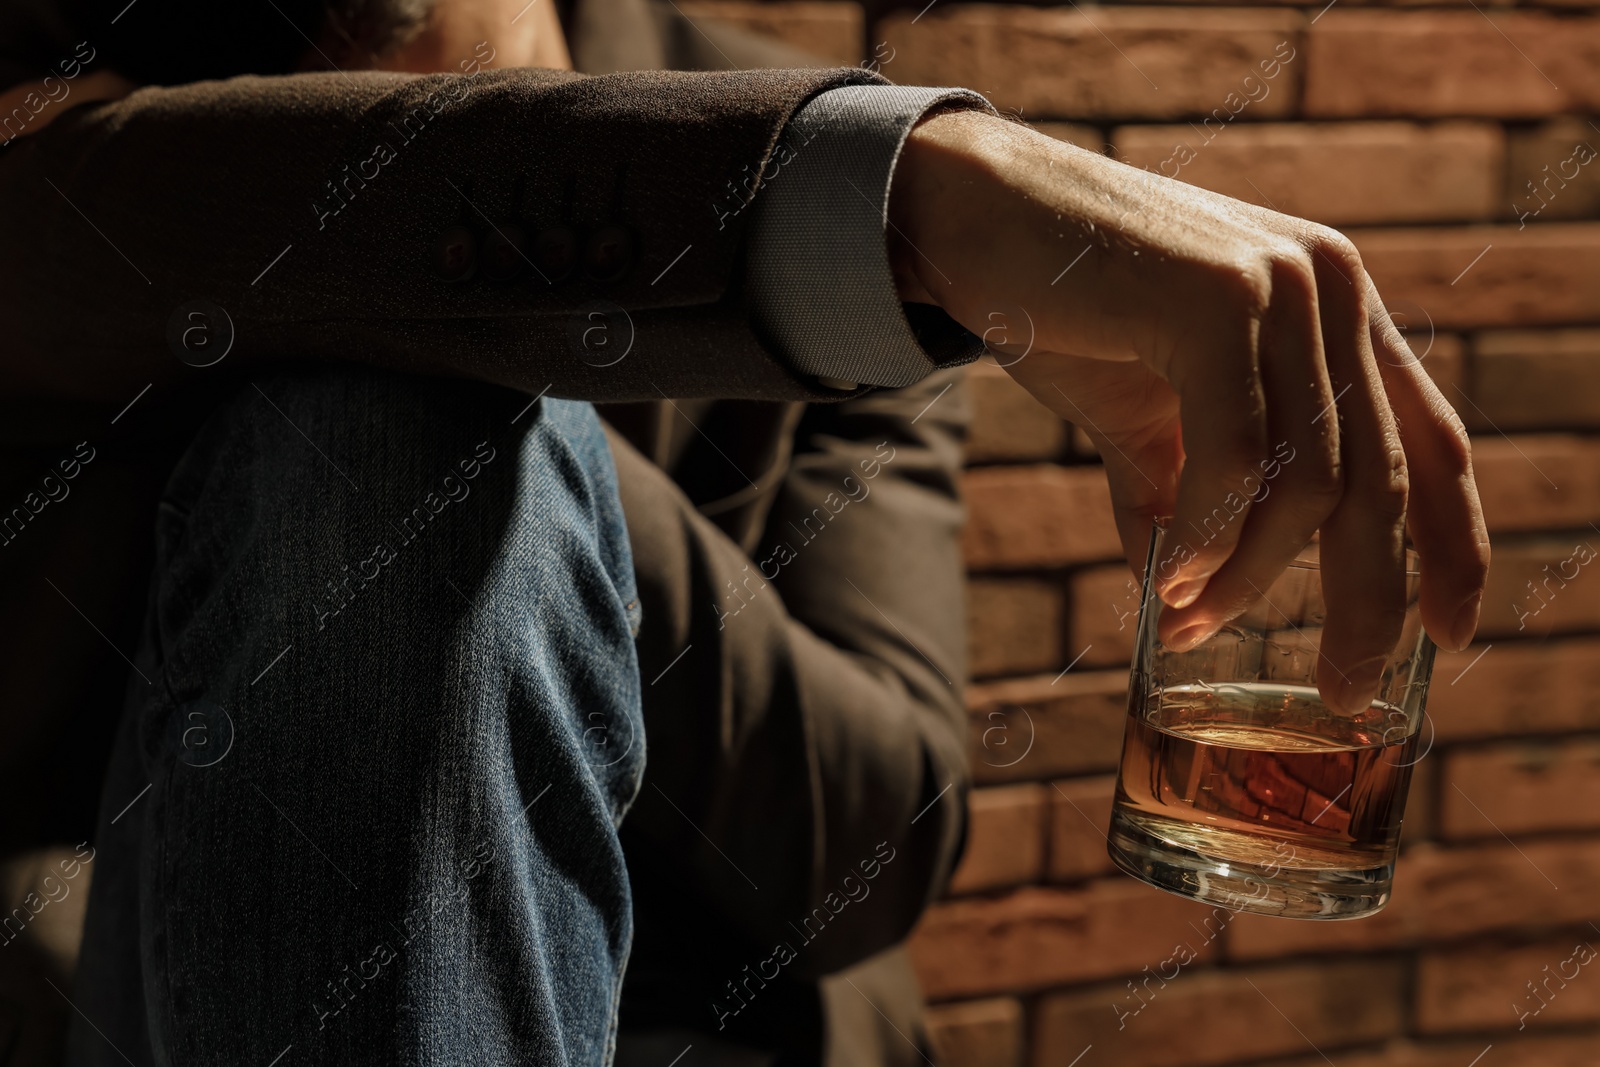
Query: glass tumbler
[[1239, 786]]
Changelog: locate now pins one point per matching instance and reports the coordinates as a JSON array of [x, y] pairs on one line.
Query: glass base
[[1165, 860]]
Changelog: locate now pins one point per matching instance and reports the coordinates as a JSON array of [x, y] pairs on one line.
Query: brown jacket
[[803, 653], [830, 731]]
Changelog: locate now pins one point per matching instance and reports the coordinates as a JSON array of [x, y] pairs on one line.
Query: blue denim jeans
[[383, 724]]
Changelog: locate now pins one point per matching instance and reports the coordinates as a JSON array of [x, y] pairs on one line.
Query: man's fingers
[[1143, 486], [1445, 517], [1297, 484], [1136, 431], [1363, 541], [1224, 442]]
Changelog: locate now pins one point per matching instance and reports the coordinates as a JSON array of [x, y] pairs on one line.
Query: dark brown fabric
[[803, 653]]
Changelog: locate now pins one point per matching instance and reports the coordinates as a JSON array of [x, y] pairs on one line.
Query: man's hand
[[1235, 367]]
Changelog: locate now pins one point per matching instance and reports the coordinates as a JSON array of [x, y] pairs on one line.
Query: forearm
[[310, 209]]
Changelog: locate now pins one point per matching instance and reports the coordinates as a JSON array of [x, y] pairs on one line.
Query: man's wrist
[[938, 184]]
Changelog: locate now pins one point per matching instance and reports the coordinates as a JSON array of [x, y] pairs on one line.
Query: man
[[474, 925], [685, 957]]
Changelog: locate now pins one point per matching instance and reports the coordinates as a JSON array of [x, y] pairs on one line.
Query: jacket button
[[555, 252], [455, 253], [505, 252], [608, 253]]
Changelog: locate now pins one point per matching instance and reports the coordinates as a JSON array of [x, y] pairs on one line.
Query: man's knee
[[359, 528]]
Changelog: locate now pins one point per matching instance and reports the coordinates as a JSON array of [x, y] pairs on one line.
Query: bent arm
[[317, 211]]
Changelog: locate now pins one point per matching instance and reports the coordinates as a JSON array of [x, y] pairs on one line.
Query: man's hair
[[170, 42]]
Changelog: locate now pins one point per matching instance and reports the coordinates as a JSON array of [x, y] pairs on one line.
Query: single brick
[[1551, 172], [1106, 62], [1081, 812], [1457, 892], [1008, 424], [1516, 687], [1006, 832], [1509, 987], [826, 29], [1038, 516], [1521, 787], [1212, 1017], [1335, 173], [1534, 379], [1518, 64], [1542, 585], [1488, 275], [977, 1033], [1538, 482], [1035, 938], [1015, 625], [1035, 728], [1105, 615]]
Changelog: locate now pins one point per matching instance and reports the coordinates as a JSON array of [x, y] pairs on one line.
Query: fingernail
[[1359, 685], [1182, 594], [1190, 636], [1466, 623]]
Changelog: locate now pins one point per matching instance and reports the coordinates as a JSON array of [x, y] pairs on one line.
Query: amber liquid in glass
[[1266, 775]]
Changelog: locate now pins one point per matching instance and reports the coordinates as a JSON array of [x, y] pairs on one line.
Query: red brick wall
[[1418, 130]]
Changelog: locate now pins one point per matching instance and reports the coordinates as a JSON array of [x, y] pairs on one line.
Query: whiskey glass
[[1239, 786]]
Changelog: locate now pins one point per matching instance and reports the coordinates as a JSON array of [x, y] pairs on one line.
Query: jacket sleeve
[[317, 212], [806, 783]]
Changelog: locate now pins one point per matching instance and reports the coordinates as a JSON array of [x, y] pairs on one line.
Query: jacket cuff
[[817, 274]]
